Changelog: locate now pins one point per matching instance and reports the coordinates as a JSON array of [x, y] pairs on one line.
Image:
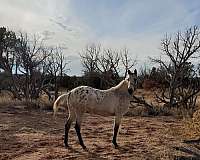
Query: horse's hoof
[[84, 147], [67, 146], [115, 145]]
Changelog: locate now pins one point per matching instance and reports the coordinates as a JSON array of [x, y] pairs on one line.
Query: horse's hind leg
[[78, 130], [115, 131], [70, 119]]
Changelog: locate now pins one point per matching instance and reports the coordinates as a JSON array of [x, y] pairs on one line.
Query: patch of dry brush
[[192, 127], [7, 99]]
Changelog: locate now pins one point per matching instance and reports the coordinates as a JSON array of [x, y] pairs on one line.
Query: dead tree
[[89, 58], [30, 54], [178, 53], [127, 61], [97, 63], [106, 64], [108, 67], [56, 66], [32, 63]]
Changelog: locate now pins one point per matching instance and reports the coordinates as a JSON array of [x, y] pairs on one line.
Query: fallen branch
[[140, 100]]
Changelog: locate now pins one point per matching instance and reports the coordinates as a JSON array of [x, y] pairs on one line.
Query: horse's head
[[132, 81]]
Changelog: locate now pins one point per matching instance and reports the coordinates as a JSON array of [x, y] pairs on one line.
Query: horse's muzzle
[[130, 91]]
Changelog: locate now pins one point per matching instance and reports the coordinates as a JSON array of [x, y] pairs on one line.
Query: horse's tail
[[63, 98]]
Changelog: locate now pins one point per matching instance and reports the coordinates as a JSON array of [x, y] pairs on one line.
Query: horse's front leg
[[115, 130]]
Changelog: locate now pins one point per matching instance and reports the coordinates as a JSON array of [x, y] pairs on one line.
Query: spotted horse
[[111, 102]]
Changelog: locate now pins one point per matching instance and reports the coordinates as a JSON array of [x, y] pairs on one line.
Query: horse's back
[[94, 100]]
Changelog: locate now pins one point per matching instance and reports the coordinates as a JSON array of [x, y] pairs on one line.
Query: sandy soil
[[32, 134]]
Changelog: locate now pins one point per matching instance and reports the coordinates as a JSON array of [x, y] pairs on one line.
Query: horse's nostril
[[130, 90]]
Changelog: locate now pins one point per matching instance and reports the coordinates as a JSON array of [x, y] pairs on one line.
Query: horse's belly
[[104, 111]]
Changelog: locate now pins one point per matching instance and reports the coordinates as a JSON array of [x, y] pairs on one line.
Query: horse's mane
[[121, 86]]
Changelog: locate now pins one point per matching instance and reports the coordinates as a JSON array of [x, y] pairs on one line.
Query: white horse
[[111, 102]]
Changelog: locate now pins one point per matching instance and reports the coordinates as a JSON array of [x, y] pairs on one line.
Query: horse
[[111, 102]]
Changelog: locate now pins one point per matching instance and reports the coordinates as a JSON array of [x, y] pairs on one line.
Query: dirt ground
[[34, 134]]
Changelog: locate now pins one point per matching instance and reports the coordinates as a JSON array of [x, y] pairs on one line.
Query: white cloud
[[138, 25]]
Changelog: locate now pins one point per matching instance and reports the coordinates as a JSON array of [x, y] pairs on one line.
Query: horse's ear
[[129, 72], [135, 72]]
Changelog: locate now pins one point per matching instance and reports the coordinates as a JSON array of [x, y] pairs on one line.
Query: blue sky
[[137, 25]]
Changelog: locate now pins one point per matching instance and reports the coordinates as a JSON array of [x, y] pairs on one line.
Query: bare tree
[[108, 66], [109, 61], [34, 64], [106, 63], [179, 53], [89, 58], [102, 64], [56, 66], [127, 61], [30, 54]]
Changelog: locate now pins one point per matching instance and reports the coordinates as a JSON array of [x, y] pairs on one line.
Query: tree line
[[105, 67], [29, 67]]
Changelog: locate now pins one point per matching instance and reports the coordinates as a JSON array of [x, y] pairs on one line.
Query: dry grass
[[191, 119], [7, 99], [191, 129], [35, 135]]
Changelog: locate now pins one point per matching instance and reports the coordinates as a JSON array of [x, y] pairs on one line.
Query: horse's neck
[[122, 86]]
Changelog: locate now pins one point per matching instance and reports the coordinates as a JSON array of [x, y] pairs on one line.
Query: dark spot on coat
[[130, 91], [82, 96]]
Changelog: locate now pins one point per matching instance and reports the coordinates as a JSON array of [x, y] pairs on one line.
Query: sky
[[138, 25]]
